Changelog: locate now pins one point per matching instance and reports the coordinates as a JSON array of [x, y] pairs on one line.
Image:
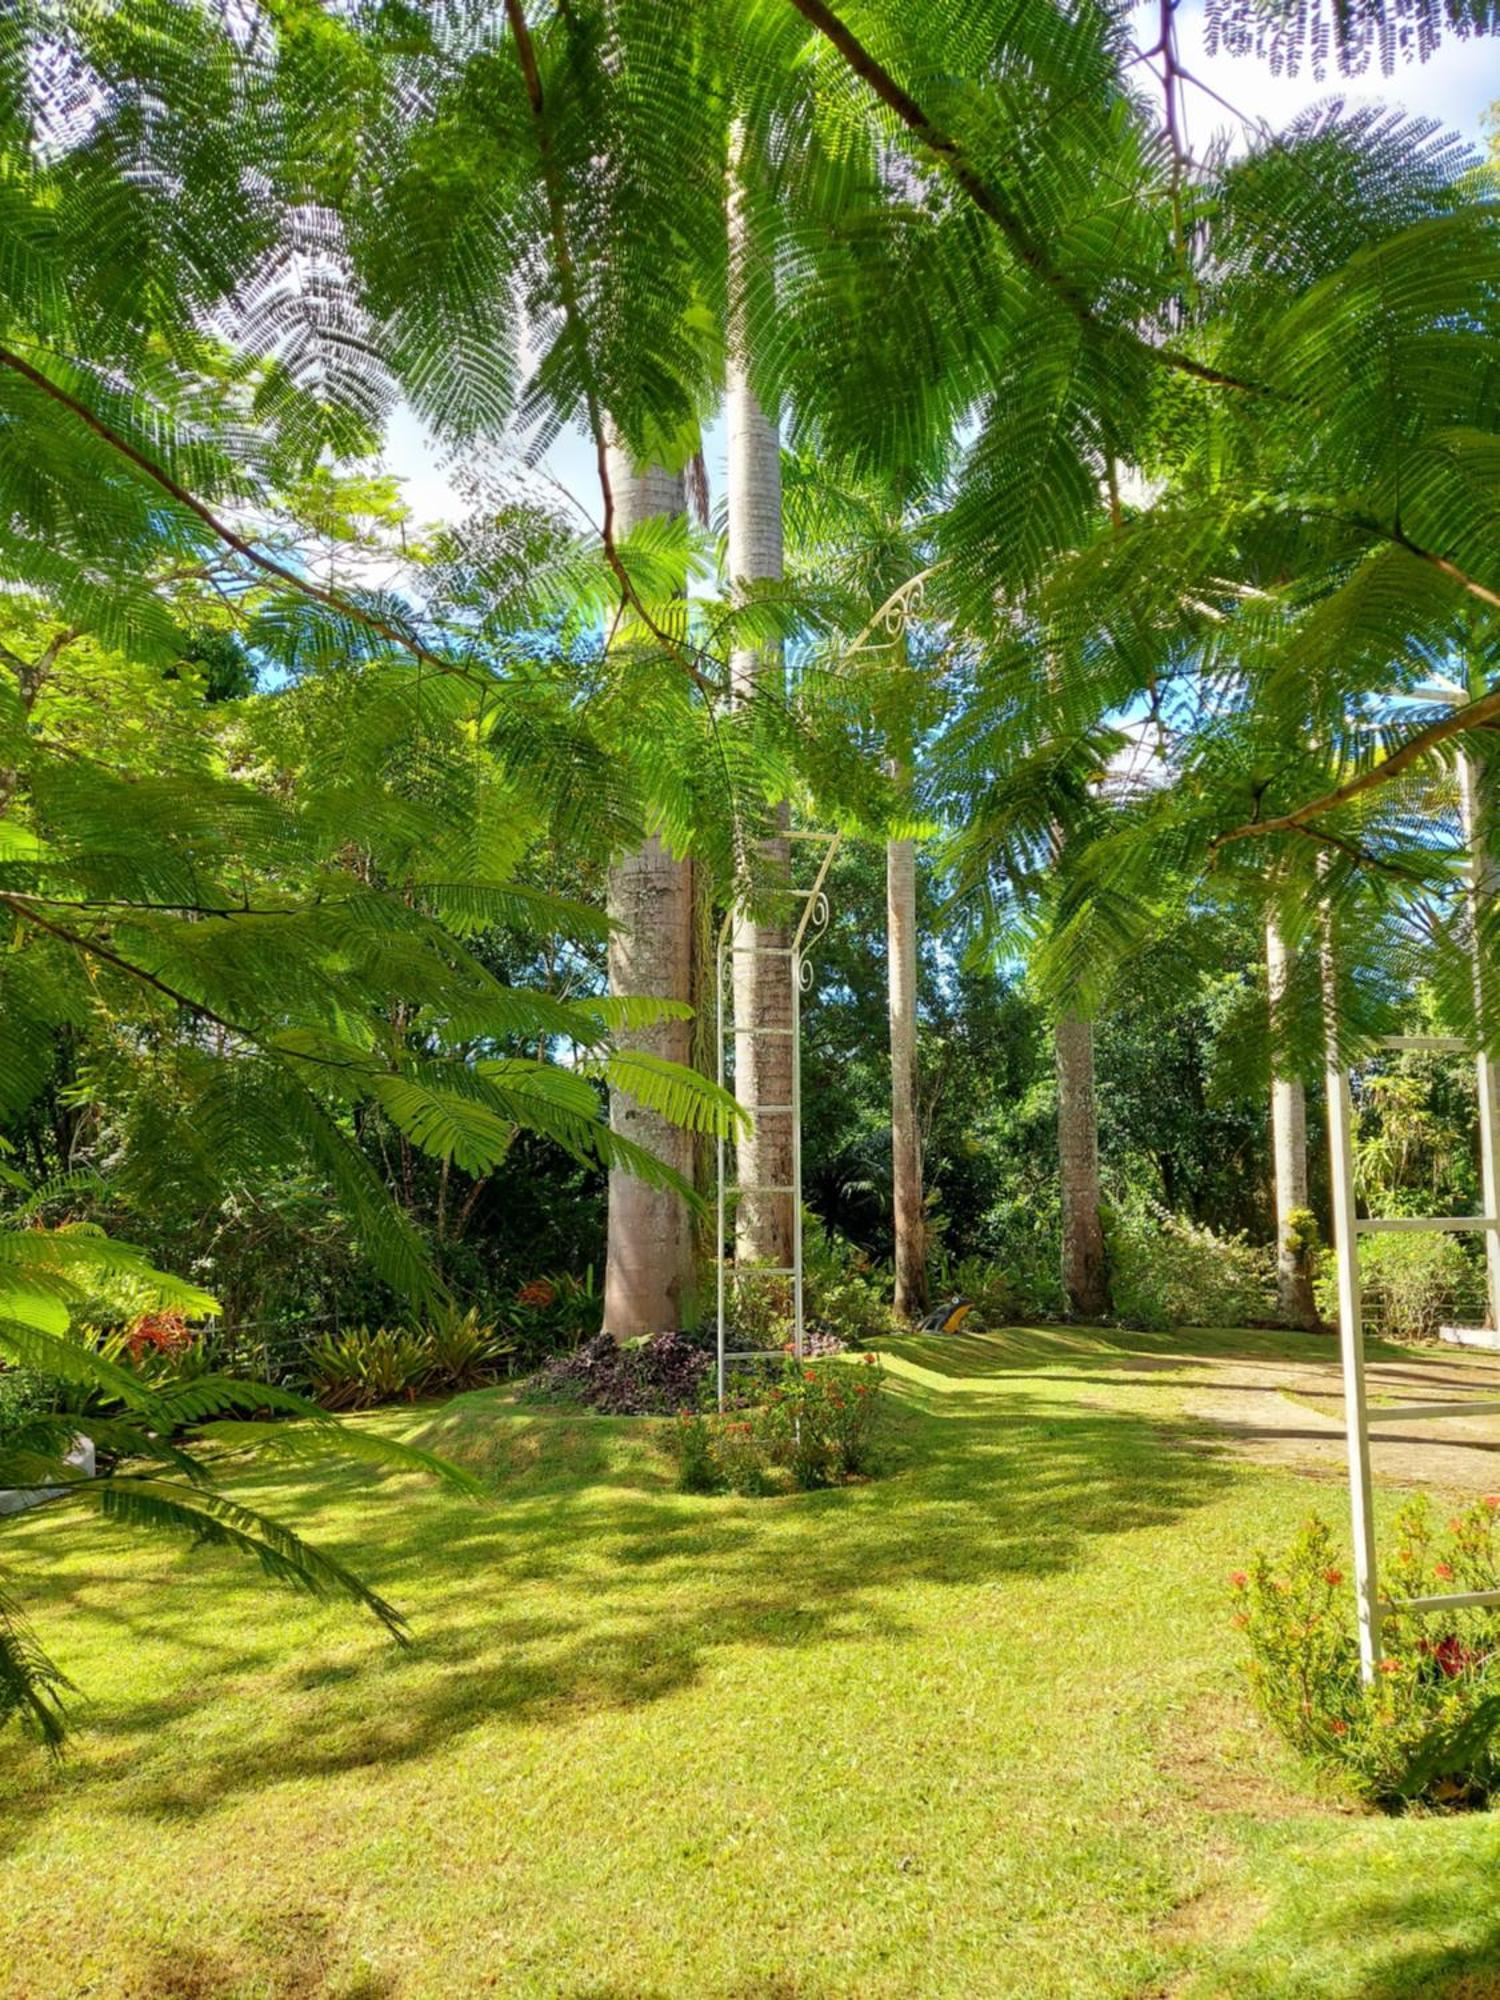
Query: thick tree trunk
[[1294, 1289], [1084, 1269], [648, 1273], [906, 1137], [762, 968]]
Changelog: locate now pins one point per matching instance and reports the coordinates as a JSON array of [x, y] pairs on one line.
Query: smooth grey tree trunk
[[648, 1272], [908, 1212], [1294, 1285], [1085, 1271], [762, 969], [1484, 884]]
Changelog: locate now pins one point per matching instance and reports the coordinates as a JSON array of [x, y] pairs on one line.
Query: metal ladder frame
[[1348, 1228], [810, 925]]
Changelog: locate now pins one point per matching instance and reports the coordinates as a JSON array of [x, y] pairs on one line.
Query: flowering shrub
[[164, 1333], [1429, 1727], [640, 1379], [820, 1422], [553, 1313], [816, 1424], [692, 1441]]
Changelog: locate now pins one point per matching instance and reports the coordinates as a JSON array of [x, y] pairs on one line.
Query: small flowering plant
[[820, 1420], [1429, 1726], [815, 1425]]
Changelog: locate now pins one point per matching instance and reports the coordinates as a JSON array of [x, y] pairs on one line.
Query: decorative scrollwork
[[904, 605], [815, 923]]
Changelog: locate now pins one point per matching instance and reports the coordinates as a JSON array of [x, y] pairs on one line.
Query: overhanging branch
[[158, 475], [1018, 239], [1473, 715]]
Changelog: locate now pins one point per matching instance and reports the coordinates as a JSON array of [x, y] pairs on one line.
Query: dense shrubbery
[[1413, 1283], [846, 1303], [631, 1379], [1167, 1271], [814, 1425], [1429, 1727]]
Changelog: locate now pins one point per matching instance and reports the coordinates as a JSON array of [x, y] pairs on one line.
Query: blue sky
[[1456, 87]]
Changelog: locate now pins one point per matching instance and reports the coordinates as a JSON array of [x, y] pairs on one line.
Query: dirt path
[[1291, 1413]]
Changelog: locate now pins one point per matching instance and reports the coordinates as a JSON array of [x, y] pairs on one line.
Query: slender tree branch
[[159, 476], [1443, 564], [1473, 715], [1018, 239]]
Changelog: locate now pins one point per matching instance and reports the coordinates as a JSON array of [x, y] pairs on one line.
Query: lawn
[[972, 1729]]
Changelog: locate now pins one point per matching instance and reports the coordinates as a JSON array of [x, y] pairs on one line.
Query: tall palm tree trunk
[[762, 966], [1085, 1271], [648, 1272], [908, 1212], [1294, 1288]]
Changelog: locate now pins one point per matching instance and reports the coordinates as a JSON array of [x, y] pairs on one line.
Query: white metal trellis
[[811, 922], [1348, 1228]]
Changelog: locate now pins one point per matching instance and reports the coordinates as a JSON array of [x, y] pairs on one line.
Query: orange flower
[[1390, 1666], [1239, 1621], [1237, 1579], [1443, 1572], [1492, 1501], [1338, 1727], [1333, 1578]]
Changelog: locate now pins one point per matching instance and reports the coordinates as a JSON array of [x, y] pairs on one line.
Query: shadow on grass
[[1068, 1350], [643, 1587], [1405, 1940]]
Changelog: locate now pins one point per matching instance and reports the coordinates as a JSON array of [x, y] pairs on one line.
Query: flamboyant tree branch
[[332, 600], [1027, 252], [1473, 715]]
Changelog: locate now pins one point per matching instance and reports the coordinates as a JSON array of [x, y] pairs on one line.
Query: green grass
[[973, 1729]]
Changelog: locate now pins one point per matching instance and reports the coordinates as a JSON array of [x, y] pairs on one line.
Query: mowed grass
[[972, 1729]]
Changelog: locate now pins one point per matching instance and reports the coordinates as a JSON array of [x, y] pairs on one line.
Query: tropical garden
[[717, 724]]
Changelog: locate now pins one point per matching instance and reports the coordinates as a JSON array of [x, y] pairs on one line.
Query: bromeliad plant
[[161, 1440], [1429, 1726]]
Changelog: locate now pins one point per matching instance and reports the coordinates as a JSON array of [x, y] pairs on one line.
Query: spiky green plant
[[163, 1444]]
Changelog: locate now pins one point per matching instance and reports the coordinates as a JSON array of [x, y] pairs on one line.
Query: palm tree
[[1294, 1292], [761, 937], [648, 1272], [907, 1209], [1084, 1267]]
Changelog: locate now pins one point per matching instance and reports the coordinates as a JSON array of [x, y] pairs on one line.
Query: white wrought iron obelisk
[[731, 1271]]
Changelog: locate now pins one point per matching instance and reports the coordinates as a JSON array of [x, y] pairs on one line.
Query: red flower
[[1333, 1578], [165, 1332], [1443, 1572], [1452, 1655], [1338, 1728], [1492, 1501], [1237, 1579], [537, 1292]]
